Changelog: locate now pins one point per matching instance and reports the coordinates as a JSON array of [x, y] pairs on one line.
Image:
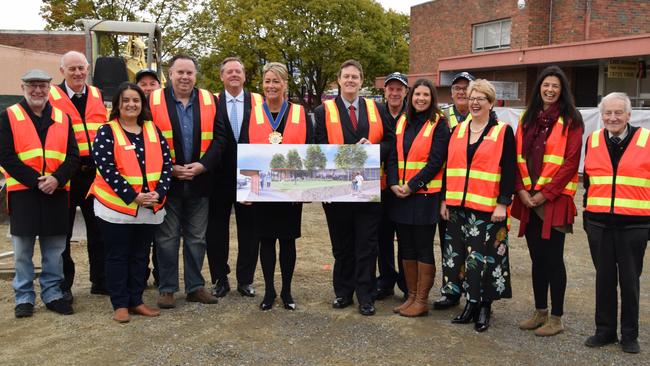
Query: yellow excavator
[[117, 50]]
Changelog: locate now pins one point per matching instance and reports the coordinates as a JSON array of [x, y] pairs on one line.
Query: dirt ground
[[236, 332]]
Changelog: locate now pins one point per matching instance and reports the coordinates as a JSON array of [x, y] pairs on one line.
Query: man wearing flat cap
[[38, 155], [395, 89]]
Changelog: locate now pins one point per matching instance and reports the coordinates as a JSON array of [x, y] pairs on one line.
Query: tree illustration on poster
[[350, 157], [278, 161]]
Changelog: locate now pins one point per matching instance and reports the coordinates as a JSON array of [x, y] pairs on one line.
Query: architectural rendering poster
[[308, 173]]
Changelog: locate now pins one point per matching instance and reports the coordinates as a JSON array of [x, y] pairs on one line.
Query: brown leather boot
[[121, 315], [411, 279], [426, 274], [144, 310]]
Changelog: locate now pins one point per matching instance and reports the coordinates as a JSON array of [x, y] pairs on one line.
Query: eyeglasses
[[44, 86], [618, 113], [458, 88], [478, 99]]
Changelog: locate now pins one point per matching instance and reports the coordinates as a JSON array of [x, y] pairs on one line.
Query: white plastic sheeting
[[591, 117]]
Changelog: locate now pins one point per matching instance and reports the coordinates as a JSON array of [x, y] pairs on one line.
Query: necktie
[[78, 95], [234, 120], [615, 139], [353, 117]]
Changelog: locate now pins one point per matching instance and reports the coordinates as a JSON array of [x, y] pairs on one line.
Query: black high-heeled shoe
[[469, 313], [288, 302], [482, 322], [267, 302]]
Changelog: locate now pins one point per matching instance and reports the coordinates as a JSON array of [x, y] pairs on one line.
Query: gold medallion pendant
[[275, 137]]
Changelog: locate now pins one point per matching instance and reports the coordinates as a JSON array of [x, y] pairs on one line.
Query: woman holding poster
[[274, 120]]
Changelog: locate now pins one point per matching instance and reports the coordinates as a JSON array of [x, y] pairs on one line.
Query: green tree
[[169, 15], [278, 161], [315, 158], [350, 157], [312, 37], [294, 161]]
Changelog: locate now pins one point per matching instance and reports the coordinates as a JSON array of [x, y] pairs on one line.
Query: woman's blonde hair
[[485, 87], [278, 68]]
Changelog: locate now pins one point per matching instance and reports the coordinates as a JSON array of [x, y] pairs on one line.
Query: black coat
[[33, 212], [225, 176], [201, 185], [279, 219]]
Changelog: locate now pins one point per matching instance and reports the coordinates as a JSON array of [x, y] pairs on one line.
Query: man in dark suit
[[233, 115], [395, 90], [85, 106], [353, 227], [187, 118]]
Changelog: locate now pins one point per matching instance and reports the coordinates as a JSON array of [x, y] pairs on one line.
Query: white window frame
[[500, 26]]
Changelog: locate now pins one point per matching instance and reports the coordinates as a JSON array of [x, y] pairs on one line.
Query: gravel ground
[[235, 332]]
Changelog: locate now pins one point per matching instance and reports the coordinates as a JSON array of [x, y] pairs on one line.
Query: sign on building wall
[[506, 90], [621, 69]]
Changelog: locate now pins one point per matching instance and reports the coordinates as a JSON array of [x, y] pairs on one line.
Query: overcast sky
[[24, 13]]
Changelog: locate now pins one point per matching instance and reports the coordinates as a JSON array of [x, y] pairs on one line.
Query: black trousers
[[548, 270], [388, 273], [218, 240], [617, 254], [79, 186], [353, 231], [416, 242], [127, 255]]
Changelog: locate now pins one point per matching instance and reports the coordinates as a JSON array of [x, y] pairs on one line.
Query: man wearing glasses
[[38, 154]]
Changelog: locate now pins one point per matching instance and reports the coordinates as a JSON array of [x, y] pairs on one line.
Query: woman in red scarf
[[549, 139]]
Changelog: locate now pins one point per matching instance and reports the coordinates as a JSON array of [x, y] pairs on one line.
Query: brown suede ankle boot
[[426, 274], [411, 279]]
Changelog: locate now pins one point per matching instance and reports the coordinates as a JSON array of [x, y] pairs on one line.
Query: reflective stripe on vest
[[477, 187], [207, 111], [453, 120], [626, 191], [295, 129], [551, 162], [126, 163], [418, 155], [95, 115], [28, 147], [333, 122]]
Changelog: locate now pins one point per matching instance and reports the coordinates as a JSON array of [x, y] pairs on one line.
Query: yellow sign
[[621, 69]]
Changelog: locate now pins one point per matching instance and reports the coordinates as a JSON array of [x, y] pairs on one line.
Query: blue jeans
[[51, 263], [189, 216]]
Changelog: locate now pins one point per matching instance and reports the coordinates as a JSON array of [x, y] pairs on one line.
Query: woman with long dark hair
[[134, 173], [549, 139], [415, 169]]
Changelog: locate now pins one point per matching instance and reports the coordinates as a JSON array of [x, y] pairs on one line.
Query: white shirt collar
[[70, 92], [239, 98]]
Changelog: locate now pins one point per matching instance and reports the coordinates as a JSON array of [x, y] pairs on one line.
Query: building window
[[491, 36]]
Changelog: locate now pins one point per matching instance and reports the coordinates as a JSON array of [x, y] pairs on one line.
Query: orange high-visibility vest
[[27, 144], [259, 127], [126, 162], [625, 191], [207, 109], [475, 186], [95, 115], [333, 122], [418, 155], [453, 120], [552, 161]]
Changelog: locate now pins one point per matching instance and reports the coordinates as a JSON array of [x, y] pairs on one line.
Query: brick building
[[601, 45], [24, 50]]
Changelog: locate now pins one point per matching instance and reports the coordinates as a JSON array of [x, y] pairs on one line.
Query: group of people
[[162, 166]]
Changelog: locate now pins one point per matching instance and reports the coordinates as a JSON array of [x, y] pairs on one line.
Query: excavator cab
[[117, 50]]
